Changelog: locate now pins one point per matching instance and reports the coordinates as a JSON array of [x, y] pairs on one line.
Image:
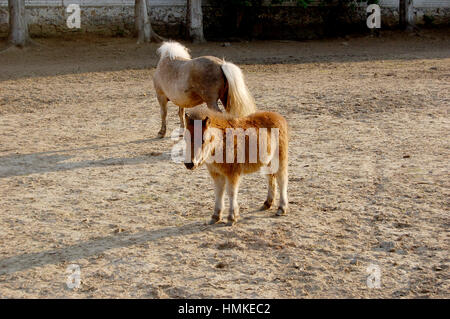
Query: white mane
[[173, 50]]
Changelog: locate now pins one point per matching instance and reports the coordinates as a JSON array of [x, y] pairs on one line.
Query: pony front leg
[[219, 182], [162, 99], [182, 118], [232, 190]]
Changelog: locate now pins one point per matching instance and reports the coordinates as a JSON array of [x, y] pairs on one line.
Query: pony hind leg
[[271, 179], [213, 105], [162, 99], [224, 100], [182, 118]]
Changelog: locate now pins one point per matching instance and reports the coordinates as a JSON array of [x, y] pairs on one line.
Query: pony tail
[[240, 102]]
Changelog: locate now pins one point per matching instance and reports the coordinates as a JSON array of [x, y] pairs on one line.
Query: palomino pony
[[189, 82], [215, 141]]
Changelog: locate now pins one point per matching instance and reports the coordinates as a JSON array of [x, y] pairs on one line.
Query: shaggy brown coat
[[229, 174]]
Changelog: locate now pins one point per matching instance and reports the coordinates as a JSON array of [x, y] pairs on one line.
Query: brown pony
[[227, 157], [190, 82]]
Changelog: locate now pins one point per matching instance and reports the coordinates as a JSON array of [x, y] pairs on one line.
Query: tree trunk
[[18, 25], [406, 14], [143, 26], [194, 19], [410, 14]]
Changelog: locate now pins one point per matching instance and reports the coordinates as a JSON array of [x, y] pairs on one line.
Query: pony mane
[[200, 113], [173, 50]]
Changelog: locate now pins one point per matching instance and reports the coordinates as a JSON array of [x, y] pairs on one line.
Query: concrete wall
[[293, 22], [106, 17], [115, 17], [437, 10]]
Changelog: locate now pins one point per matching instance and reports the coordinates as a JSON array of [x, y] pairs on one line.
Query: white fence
[[95, 3], [162, 3]]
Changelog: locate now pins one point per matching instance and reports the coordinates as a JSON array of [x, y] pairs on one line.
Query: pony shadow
[[53, 161], [257, 213], [93, 247], [246, 217]]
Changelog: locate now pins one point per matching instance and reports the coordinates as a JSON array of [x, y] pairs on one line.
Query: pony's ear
[[206, 122], [188, 119]]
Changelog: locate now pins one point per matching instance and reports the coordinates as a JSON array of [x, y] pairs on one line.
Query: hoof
[[281, 211], [161, 134], [232, 221], [266, 205], [214, 220]]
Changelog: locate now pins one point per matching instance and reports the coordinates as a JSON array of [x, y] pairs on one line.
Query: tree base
[[197, 40], [11, 47]]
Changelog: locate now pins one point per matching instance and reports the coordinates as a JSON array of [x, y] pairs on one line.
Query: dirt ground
[[85, 181]]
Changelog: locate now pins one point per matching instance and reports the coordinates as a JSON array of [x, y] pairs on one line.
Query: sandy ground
[[84, 181]]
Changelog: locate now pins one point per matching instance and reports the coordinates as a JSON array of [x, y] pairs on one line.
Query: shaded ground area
[[84, 181]]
